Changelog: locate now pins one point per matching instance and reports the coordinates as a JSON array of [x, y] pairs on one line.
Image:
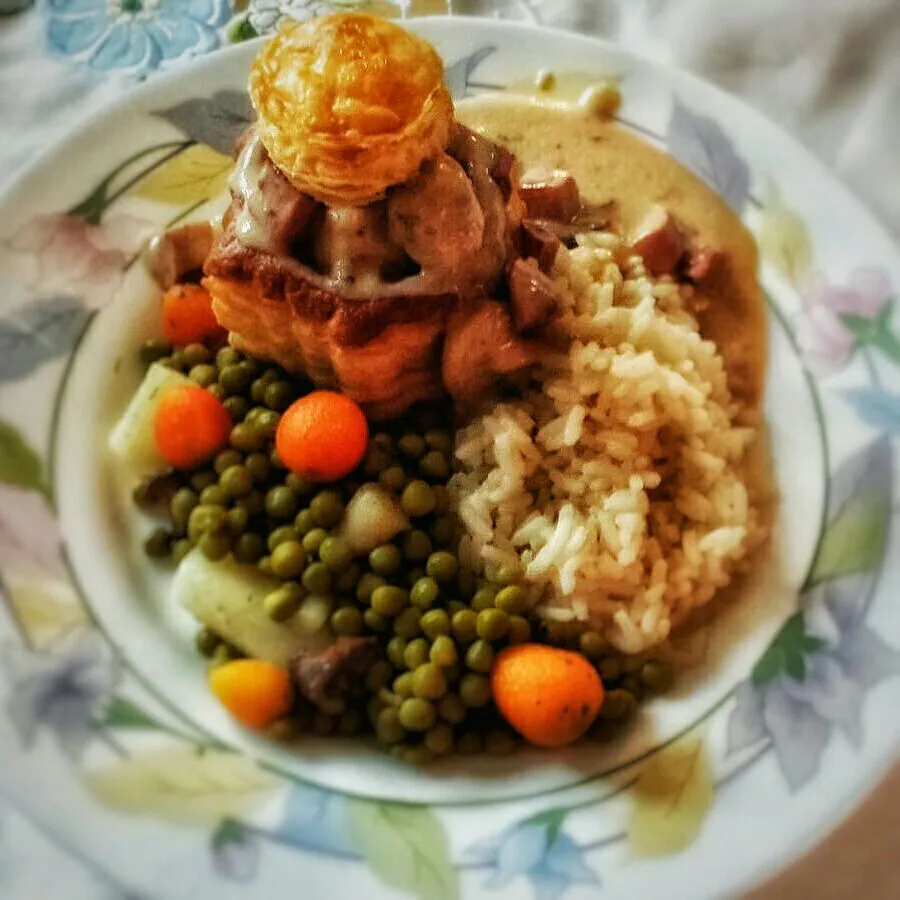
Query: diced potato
[[227, 597], [132, 439]]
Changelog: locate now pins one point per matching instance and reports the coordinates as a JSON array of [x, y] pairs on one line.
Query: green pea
[[480, 656], [157, 544], [590, 643], [492, 624], [288, 559], [215, 546], [203, 374], [464, 624], [265, 565], [414, 574], [455, 606], [484, 598], [375, 621], [499, 743], [519, 631], [312, 540], [508, 573], [402, 685], [258, 389], [633, 686], [217, 391], [326, 508], [316, 578], [247, 438], [228, 356], [443, 531], [384, 440], [474, 690], [386, 559], [434, 465], [442, 566], [347, 621], [236, 481], [235, 379], [251, 366], [182, 505], [176, 360], [195, 355], [322, 724], [226, 459], [443, 652], [236, 407], [393, 478], [416, 714], [417, 499], [451, 709], [424, 593], [283, 602], [303, 522], [348, 578], [512, 599], [435, 622], [275, 459], [180, 550], [396, 650], [617, 705], [266, 423], [205, 519], [350, 722], [389, 600], [206, 642], [416, 545], [298, 483], [416, 653], [259, 467], [213, 495], [439, 439], [279, 396], [254, 502], [281, 502], [202, 480], [154, 350], [249, 548], [378, 676], [657, 675], [407, 623], [388, 727], [411, 445], [469, 743], [376, 460], [439, 739], [429, 682], [366, 585], [280, 535], [335, 552], [238, 520]]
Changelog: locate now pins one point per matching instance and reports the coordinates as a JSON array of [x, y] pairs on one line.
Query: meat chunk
[[700, 263], [659, 240], [436, 217], [333, 677], [591, 217], [554, 196], [533, 295], [481, 343], [540, 244], [179, 254]]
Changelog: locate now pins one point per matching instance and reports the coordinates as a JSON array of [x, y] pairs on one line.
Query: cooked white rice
[[617, 480]]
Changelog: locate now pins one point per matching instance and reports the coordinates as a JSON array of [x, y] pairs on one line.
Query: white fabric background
[[827, 70]]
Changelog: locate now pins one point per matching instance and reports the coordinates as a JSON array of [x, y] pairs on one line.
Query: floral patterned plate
[[109, 739]]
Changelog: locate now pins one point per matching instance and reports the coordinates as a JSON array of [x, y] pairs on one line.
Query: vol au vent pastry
[[349, 105], [372, 242]]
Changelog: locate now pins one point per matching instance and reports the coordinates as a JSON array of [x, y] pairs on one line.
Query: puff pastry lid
[[349, 105]]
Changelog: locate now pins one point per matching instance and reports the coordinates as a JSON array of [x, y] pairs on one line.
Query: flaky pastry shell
[[349, 105]]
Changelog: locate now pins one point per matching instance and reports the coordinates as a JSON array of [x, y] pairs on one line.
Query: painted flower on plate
[[64, 255], [60, 691], [836, 320], [132, 36], [539, 850]]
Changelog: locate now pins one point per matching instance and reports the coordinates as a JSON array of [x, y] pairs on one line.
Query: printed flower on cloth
[[133, 36]]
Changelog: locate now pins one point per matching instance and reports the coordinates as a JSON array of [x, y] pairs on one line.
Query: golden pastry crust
[[349, 105]]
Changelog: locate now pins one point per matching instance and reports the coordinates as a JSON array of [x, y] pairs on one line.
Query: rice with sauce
[[618, 481]]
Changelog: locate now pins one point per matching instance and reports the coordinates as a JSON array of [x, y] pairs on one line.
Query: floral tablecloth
[[826, 69]]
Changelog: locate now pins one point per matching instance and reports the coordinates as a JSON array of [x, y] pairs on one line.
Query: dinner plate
[[109, 739]]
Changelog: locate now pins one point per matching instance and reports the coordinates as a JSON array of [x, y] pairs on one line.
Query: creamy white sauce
[[250, 224]]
